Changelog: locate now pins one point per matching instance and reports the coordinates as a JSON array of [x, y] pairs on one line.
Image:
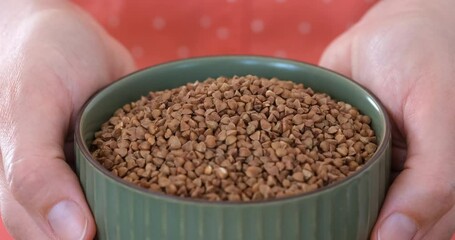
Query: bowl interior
[[101, 107]]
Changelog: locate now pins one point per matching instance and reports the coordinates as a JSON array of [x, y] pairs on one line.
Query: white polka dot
[[137, 51], [205, 21], [113, 21], [280, 53], [159, 23], [183, 52], [257, 25], [304, 27], [222, 33], [280, 1]]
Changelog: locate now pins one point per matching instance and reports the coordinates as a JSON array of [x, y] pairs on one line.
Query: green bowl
[[344, 210]]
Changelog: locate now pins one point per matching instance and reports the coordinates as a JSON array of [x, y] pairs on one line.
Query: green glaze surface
[[345, 210]]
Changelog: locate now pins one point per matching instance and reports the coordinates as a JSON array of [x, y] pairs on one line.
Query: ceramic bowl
[[344, 210]]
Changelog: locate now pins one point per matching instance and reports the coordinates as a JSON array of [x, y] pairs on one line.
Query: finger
[[444, 227], [36, 173], [420, 203], [112, 60], [119, 60], [122, 60], [18, 222], [414, 206], [337, 56]]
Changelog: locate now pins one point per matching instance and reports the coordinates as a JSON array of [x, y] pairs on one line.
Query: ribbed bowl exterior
[[345, 210]]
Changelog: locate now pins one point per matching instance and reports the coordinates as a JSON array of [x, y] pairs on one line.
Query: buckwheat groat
[[240, 139]]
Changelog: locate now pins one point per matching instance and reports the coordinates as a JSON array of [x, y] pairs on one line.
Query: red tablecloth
[[3, 233]]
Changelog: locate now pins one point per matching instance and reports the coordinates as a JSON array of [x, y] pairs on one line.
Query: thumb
[[421, 202], [36, 173]]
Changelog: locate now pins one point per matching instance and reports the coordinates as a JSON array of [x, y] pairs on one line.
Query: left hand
[[404, 52], [53, 57]]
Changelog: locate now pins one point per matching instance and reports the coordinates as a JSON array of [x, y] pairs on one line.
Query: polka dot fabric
[[157, 31]]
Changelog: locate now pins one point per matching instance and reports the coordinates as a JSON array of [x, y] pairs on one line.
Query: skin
[[403, 52], [54, 57]]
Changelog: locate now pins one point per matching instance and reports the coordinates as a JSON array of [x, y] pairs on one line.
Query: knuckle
[[22, 180], [445, 191]]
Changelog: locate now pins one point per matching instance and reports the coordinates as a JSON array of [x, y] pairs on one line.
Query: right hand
[[53, 56], [403, 51]]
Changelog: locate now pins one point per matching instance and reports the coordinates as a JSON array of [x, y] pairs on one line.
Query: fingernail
[[397, 226], [67, 220]]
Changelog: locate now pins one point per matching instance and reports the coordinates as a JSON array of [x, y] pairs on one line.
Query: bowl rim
[[84, 150]]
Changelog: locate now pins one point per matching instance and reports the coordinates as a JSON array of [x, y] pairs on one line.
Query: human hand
[[52, 58], [404, 52]]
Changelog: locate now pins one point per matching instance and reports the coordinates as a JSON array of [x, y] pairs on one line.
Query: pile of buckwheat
[[239, 139]]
